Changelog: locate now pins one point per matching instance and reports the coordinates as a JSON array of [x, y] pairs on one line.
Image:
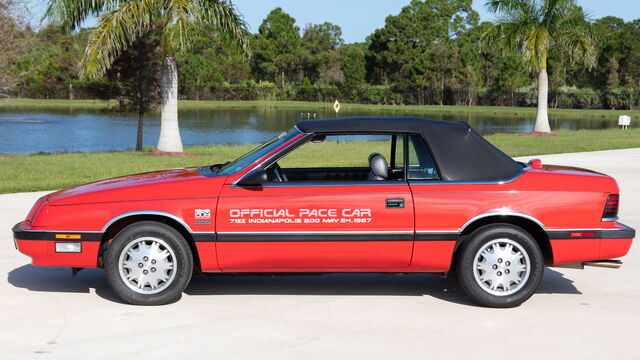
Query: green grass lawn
[[56, 171], [42, 104], [192, 104]]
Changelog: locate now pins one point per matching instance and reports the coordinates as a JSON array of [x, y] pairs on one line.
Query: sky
[[359, 18]]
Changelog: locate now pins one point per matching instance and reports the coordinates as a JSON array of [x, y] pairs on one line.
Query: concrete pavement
[[586, 314]]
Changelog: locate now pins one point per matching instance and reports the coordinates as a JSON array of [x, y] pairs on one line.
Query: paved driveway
[[576, 314]]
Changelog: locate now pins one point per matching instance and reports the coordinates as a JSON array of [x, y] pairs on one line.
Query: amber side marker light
[[66, 246], [68, 236]]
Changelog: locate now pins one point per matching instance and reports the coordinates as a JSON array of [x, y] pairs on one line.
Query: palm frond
[[180, 21], [535, 46], [224, 16], [71, 13], [189, 18], [533, 27], [579, 45], [513, 10], [116, 30], [502, 35], [576, 35]]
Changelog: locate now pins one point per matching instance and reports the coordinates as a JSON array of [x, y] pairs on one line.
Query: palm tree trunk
[[542, 119], [282, 79], [140, 126], [170, 140]]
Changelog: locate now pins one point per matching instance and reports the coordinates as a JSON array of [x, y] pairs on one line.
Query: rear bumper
[[40, 246], [621, 231], [570, 246]]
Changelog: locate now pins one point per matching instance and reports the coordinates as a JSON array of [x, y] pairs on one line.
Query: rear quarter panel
[[563, 200], [557, 199]]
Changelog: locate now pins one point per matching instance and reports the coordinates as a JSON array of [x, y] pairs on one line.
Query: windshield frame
[[254, 156]]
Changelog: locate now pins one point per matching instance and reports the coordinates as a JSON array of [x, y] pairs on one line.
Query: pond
[[23, 131]]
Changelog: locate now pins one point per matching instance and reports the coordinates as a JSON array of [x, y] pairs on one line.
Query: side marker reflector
[[583, 234]]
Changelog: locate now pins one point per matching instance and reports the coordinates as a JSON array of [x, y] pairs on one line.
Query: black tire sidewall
[[476, 241], [173, 239]]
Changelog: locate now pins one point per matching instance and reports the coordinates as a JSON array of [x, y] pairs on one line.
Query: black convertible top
[[460, 152]]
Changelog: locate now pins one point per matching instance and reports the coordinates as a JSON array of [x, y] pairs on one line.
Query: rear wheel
[[500, 266], [149, 263]]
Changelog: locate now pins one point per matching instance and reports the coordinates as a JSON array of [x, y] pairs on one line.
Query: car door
[[319, 225]]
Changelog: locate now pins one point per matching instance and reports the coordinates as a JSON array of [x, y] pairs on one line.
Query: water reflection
[[25, 131]]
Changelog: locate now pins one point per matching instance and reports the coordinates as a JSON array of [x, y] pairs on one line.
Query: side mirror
[[255, 177]]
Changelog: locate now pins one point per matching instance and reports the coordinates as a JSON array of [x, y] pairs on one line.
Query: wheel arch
[[118, 223], [531, 225]]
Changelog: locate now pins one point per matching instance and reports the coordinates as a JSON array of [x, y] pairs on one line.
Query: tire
[[148, 263], [500, 266]]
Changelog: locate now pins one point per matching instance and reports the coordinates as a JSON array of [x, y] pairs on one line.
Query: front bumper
[[40, 246]]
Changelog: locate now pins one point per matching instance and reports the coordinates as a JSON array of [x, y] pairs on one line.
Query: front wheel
[[149, 263], [500, 266]]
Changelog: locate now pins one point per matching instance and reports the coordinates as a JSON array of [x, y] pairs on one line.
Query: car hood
[[155, 185]]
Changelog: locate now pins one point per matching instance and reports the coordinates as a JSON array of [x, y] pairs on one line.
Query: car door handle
[[395, 203]]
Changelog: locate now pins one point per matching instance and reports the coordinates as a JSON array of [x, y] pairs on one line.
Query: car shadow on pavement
[[54, 279], [355, 284], [554, 282], [59, 279]]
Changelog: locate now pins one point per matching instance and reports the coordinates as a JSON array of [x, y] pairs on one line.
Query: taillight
[[611, 208]]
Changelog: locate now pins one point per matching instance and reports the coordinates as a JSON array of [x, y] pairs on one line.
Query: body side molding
[[501, 212], [156, 213]]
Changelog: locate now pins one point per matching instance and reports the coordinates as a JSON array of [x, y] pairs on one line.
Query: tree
[[619, 41], [12, 41], [407, 36], [122, 22], [50, 63], [208, 63], [277, 46], [512, 76], [536, 28], [321, 59], [354, 66], [437, 70], [138, 84]]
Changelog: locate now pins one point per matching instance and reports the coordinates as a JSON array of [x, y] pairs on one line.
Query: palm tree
[[536, 27], [121, 22]]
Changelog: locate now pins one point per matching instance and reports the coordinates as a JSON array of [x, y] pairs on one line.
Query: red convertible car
[[397, 195]]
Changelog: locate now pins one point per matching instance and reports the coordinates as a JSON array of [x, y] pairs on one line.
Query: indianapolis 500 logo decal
[[202, 216]]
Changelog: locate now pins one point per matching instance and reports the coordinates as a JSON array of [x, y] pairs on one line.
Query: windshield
[[258, 153]]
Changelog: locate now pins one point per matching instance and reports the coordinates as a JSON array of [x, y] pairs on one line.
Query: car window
[[399, 158], [421, 164], [258, 153], [341, 158]]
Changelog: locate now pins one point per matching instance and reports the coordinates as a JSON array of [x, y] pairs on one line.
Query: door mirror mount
[[255, 177]]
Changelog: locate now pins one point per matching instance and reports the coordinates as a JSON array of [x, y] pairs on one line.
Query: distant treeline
[[424, 55]]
